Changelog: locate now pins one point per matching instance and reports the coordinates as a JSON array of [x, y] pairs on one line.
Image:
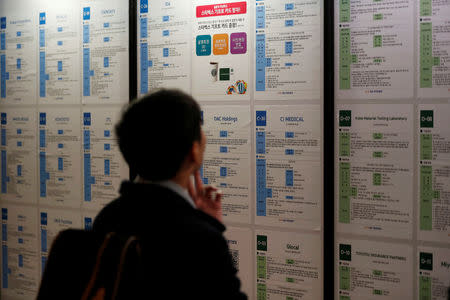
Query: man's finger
[[192, 191], [209, 190], [218, 196], [198, 183]]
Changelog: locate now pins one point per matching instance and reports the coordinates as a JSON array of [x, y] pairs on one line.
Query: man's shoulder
[[148, 205]]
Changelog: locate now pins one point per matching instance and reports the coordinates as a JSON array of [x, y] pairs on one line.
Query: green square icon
[[377, 41], [224, 74], [345, 118], [426, 261], [426, 119], [261, 242], [345, 252]]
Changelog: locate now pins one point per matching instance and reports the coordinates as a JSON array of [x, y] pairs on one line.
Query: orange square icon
[[220, 44]]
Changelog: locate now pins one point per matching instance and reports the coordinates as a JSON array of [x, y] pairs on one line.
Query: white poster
[[226, 163], [105, 62], [17, 55], [434, 172], [18, 155], [164, 35], [51, 223], [434, 273], [59, 52], [220, 51], [240, 242], [20, 257], [374, 165], [288, 166], [59, 157], [288, 266], [371, 270], [373, 49], [287, 49], [433, 49], [103, 165]]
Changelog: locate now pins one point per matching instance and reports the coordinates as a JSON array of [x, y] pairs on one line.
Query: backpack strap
[[130, 267], [93, 284], [118, 269]]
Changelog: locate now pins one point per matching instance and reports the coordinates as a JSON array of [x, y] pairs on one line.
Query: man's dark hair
[[157, 131]]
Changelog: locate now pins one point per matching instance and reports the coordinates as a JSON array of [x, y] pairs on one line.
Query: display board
[[256, 69], [64, 80], [391, 149]]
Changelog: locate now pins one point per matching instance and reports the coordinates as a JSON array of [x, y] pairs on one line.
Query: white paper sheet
[[240, 243], [433, 49], [288, 166], [374, 165], [17, 55], [52, 221], [103, 165], [164, 35], [434, 172], [226, 163], [20, 258], [287, 49], [434, 273], [367, 269], [220, 51], [18, 155], [59, 159], [105, 62], [288, 265], [373, 49], [59, 52]]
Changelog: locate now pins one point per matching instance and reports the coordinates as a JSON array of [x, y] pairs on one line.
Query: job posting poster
[[18, 155], [220, 55], [288, 266], [367, 270], [433, 274], [288, 166], [51, 222], [227, 158], [59, 157], [164, 35], [103, 165], [20, 258], [59, 52], [105, 59], [374, 42], [17, 55], [375, 169], [434, 172], [240, 241], [287, 49], [433, 48]]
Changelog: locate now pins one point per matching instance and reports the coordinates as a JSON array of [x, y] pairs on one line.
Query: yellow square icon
[[220, 44]]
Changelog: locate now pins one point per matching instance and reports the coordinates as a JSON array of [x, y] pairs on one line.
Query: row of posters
[[45, 154], [61, 53], [375, 170], [378, 270], [374, 42], [375, 164], [59, 167], [54, 144], [208, 48], [392, 163], [392, 49], [64, 52], [284, 264]]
